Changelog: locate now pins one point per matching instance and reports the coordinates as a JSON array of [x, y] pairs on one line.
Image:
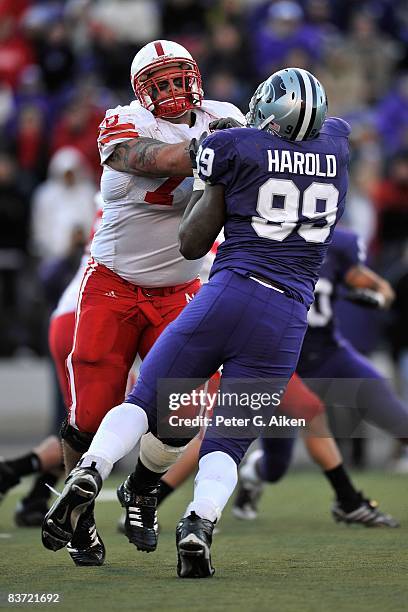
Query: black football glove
[[224, 124], [195, 144], [366, 297]]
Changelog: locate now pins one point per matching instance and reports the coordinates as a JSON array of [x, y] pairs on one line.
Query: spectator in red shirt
[[391, 200], [78, 127], [15, 52]]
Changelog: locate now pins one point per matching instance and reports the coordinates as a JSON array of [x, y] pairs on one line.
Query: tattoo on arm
[[147, 157]]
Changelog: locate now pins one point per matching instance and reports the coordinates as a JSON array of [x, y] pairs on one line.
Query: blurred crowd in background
[[63, 63]]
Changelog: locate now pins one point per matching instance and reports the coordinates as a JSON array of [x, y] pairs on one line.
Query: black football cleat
[[193, 540], [31, 511], [86, 547], [366, 513], [81, 488], [8, 478], [141, 526]]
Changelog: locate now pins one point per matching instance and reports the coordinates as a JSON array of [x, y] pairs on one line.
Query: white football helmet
[[177, 86]]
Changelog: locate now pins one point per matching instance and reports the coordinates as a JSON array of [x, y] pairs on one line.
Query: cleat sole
[[194, 558], [61, 520]]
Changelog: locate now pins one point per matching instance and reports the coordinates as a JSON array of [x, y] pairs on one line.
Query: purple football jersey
[[346, 250], [283, 200]]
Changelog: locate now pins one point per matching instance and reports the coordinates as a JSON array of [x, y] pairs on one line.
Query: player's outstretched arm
[[360, 277], [150, 157], [202, 221]]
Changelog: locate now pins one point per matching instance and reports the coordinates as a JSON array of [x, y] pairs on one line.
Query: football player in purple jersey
[[278, 187]]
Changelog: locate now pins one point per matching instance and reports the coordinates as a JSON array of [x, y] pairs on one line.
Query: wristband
[[198, 184]]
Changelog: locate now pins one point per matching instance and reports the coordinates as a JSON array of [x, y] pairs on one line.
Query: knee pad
[[80, 441], [156, 455]]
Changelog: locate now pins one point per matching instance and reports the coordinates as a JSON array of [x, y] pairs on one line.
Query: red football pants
[[299, 401], [60, 336], [115, 320]]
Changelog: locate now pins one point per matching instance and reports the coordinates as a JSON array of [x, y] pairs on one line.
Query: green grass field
[[294, 558]]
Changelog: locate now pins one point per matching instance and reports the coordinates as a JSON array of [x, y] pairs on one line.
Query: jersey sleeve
[[120, 124], [352, 250], [216, 158]]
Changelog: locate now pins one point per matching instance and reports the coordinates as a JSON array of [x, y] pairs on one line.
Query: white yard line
[[107, 495]]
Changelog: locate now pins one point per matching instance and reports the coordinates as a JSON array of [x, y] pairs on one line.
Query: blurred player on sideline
[[137, 281], [326, 354], [278, 188], [46, 458]]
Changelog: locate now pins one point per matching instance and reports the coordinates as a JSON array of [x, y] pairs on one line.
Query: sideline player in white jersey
[[137, 281]]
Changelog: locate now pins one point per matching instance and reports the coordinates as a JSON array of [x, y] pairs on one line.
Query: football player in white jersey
[[137, 281]]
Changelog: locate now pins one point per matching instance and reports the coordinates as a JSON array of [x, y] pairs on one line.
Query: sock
[[164, 491], [39, 488], [216, 479], [118, 434], [252, 469], [28, 464], [346, 494], [143, 478]]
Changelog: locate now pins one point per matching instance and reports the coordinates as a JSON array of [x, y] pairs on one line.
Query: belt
[[164, 291], [148, 291], [266, 283]]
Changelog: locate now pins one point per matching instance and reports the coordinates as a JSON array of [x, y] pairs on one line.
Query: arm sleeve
[[121, 124]]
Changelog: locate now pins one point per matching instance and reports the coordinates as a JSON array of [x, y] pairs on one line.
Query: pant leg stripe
[[72, 410]]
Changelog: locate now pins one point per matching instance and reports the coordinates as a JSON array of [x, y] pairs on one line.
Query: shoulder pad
[[343, 233], [123, 123], [134, 112], [347, 241], [222, 109], [334, 126]]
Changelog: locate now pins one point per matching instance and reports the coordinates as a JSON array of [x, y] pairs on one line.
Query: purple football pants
[[253, 331]]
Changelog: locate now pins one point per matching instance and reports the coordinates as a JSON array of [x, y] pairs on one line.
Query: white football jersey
[[210, 258], [138, 236]]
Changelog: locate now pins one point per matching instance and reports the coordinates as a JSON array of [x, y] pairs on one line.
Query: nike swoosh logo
[[64, 518]]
